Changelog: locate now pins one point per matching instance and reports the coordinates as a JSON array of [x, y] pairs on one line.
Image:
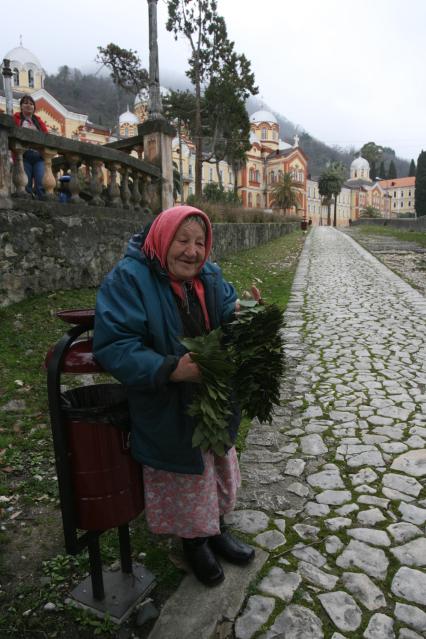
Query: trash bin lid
[[81, 316]]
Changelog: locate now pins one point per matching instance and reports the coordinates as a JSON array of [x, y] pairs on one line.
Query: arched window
[[264, 134], [16, 77], [257, 176], [250, 203], [126, 132], [258, 200], [251, 175], [272, 177], [30, 78]]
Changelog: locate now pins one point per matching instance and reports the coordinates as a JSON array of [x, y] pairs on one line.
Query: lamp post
[[155, 107]]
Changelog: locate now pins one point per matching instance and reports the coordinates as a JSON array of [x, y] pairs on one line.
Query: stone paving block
[[342, 610], [373, 561], [412, 616], [380, 626], [256, 613], [410, 584], [296, 622], [364, 590], [280, 584]]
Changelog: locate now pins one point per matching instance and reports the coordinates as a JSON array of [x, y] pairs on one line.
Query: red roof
[[398, 182]]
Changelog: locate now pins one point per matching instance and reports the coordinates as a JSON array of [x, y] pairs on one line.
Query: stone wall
[[405, 224], [46, 246]]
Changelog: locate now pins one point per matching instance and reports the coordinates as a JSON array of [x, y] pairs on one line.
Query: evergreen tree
[[226, 123], [212, 55], [382, 172], [420, 197], [392, 174], [412, 170], [373, 171]]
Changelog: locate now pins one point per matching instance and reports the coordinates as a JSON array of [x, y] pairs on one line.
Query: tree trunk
[[180, 160], [198, 137], [219, 177], [329, 214], [335, 211]]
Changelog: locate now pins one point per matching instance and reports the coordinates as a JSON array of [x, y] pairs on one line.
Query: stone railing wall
[[46, 246], [106, 176], [418, 224]]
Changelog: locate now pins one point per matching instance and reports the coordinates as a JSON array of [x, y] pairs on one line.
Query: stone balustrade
[[106, 176]]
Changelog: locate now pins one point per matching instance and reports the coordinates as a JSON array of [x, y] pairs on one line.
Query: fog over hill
[[95, 94]]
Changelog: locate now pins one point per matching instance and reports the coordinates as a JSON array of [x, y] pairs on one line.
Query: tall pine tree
[[412, 170], [392, 174], [382, 171], [420, 198]]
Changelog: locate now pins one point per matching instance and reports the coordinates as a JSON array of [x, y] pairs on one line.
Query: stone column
[[155, 107], [157, 143]]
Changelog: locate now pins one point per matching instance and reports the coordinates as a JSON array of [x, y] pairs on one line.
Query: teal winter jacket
[[137, 339]]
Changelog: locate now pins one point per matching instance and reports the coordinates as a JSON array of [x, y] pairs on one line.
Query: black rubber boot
[[233, 550], [202, 561]]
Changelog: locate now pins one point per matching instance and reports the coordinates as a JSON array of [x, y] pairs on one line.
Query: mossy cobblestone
[[354, 495]]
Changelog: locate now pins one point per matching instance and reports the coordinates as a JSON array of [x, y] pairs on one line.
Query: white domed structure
[[128, 118], [263, 116], [283, 145], [360, 169], [28, 74]]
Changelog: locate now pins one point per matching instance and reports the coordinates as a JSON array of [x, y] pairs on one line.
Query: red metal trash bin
[[107, 481]]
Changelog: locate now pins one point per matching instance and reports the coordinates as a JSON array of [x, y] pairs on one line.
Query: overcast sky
[[347, 72]]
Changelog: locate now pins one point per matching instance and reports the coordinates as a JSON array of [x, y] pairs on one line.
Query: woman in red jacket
[[33, 161]]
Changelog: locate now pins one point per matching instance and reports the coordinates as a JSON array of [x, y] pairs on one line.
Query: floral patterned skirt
[[190, 505]]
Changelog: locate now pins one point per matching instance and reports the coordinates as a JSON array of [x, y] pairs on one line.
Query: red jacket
[[37, 121]]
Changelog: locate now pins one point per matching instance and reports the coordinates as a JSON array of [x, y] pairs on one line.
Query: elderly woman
[[33, 162], [165, 289]]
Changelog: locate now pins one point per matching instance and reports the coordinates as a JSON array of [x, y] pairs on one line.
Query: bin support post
[[96, 568], [125, 550]]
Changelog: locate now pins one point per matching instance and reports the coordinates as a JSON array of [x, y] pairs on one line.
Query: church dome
[[283, 145], [263, 116], [22, 57], [360, 169], [128, 118], [360, 163]]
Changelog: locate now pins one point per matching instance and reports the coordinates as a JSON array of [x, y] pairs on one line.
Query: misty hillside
[[99, 98]]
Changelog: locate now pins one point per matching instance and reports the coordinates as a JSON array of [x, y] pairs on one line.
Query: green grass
[[27, 470], [419, 237]]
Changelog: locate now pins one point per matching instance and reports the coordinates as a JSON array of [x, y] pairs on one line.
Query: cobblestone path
[[335, 488]]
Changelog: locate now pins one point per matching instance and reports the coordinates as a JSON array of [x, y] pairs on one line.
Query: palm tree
[[329, 186], [285, 194]]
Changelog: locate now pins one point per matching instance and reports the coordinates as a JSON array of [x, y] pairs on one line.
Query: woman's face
[[187, 251], [27, 108]]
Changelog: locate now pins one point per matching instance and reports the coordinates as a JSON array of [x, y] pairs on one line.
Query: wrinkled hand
[[255, 294], [186, 370]]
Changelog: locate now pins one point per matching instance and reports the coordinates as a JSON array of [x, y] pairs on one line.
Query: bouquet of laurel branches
[[245, 361]]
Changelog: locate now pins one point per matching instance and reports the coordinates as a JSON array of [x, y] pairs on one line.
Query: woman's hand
[[186, 370], [255, 295]]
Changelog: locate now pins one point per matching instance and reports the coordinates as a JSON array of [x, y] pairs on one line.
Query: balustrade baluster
[[124, 189], [49, 181], [74, 183], [19, 177], [136, 194], [97, 183], [113, 188]]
